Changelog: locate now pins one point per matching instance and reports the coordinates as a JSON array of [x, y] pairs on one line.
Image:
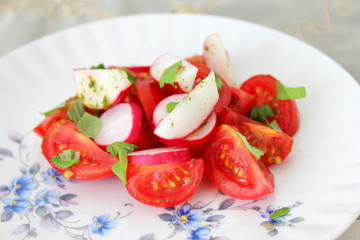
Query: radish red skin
[[166, 155]]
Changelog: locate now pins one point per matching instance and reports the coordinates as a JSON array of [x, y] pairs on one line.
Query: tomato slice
[[233, 169], [164, 185], [275, 145], [203, 71], [94, 162], [57, 115], [263, 87], [241, 101]]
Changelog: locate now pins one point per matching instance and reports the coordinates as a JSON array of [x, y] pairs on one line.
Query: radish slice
[[121, 123], [184, 78], [191, 112], [217, 58], [197, 138], [160, 156], [160, 111], [101, 88]]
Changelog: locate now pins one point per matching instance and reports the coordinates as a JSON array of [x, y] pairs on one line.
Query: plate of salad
[[176, 126]]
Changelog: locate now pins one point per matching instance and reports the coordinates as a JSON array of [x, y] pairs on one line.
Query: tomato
[[94, 162], [233, 169], [263, 87], [203, 71], [241, 101], [149, 94], [57, 115], [164, 185], [275, 145]]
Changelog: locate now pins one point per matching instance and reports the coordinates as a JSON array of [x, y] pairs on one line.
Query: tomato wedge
[[275, 145], [203, 71], [94, 163], [241, 101], [263, 87], [164, 185], [232, 168], [57, 115]]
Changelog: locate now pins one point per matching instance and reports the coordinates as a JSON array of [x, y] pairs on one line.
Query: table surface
[[332, 26]]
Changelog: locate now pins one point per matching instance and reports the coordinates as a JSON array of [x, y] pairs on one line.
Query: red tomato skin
[[94, 162], [263, 87], [241, 101], [157, 185], [57, 115], [275, 145], [233, 169]]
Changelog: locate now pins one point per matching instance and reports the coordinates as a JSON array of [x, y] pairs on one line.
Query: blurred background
[[332, 26]]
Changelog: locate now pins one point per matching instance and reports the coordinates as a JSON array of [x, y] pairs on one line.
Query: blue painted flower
[[102, 225], [267, 215], [16, 205], [188, 217], [47, 197], [200, 234], [23, 185], [52, 177]]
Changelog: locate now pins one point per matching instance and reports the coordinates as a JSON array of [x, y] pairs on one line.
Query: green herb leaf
[[169, 74], [257, 153], [170, 106], [284, 93], [279, 213], [261, 113], [274, 125], [219, 83], [67, 158], [76, 111], [120, 149], [61, 105], [89, 125], [130, 76], [99, 66]]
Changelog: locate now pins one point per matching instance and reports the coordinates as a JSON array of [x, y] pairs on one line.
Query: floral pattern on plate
[[43, 197]]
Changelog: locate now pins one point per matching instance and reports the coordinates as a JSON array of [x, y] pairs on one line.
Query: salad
[[160, 128]]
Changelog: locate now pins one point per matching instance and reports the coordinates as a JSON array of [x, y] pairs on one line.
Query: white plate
[[319, 181]]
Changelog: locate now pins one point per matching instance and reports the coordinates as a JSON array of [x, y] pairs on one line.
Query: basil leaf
[[261, 113], [130, 76], [274, 125], [120, 149], [89, 125], [169, 74], [257, 153], [120, 167], [219, 83], [61, 105], [76, 111], [279, 213], [66, 159], [99, 66], [284, 93], [170, 106]]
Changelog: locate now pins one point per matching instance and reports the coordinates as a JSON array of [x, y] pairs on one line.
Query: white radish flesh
[[121, 123], [191, 112], [185, 76], [216, 58], [160, 156], [101, 88], [160, 111]]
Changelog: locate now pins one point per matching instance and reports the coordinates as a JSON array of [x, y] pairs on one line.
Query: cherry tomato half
[[233, 169], [94, 163], [263, 87], [164, 185]]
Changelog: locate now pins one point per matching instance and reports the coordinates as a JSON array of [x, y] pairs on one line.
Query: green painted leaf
[[169, 75], [280, 213], [268, 225], [89, 125], [257, 153], [67, 158], [284, 93]]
